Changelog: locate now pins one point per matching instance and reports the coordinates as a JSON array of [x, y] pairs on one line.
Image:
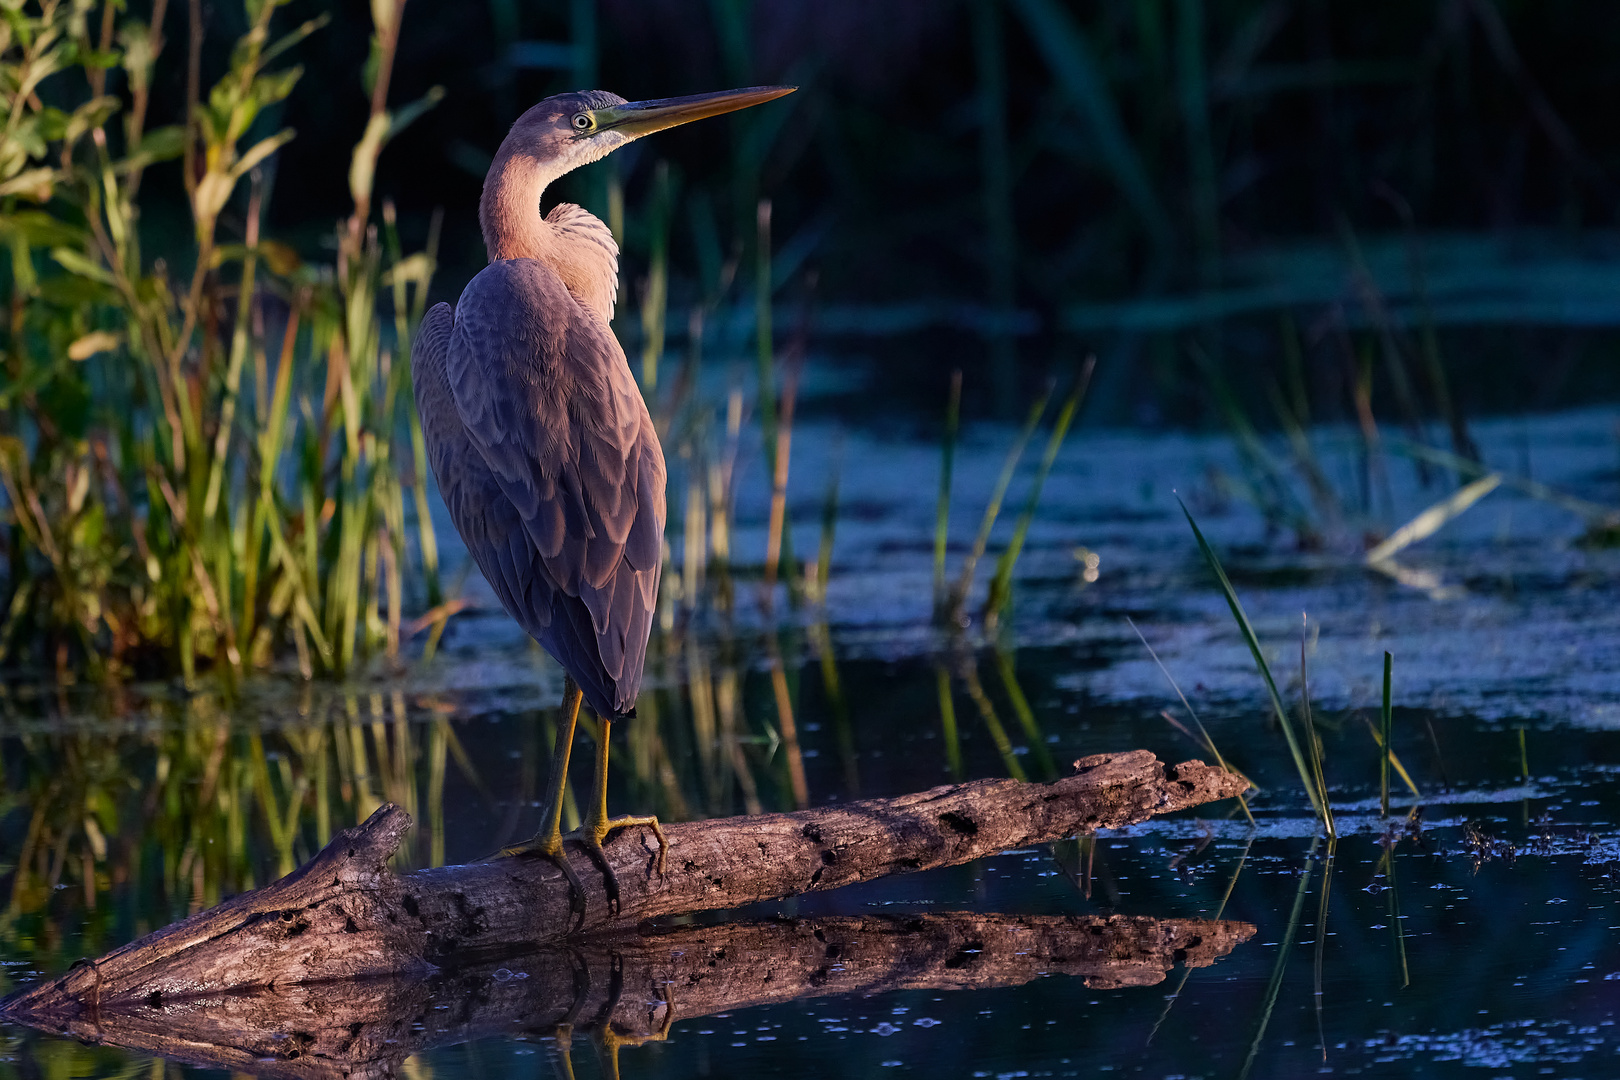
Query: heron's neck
[[570, 240]]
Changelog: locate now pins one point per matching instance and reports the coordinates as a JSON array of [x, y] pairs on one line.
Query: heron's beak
[[638, 118]]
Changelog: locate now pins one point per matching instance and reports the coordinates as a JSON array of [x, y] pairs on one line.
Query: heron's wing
[[488, 522], [547, 402]]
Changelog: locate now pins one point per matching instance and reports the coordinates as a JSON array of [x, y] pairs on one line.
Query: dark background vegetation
[[1255, 124]]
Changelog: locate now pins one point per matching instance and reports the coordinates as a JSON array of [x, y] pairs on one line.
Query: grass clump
[[198, 461], [1310, 773]]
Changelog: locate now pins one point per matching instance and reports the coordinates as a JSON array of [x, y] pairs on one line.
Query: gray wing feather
[[560, 466]]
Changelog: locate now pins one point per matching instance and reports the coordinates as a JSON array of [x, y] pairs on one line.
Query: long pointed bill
[[637, 118]]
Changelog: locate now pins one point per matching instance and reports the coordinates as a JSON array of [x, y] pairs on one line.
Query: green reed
[[163, 520], [1000, 595], [1388, 716], [957, 600]]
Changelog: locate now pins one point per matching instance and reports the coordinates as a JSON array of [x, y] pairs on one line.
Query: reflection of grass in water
[[1321, 940], [992, 722], [1386, 866], [947, 722], [1171, 999], [1035, 741], [1277, 971], [195, 807]]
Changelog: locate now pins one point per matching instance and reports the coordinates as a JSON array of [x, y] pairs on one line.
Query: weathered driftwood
[[344, 915], [632, 989]]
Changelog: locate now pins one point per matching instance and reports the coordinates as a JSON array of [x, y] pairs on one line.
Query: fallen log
[[629, 990], [344, 915]]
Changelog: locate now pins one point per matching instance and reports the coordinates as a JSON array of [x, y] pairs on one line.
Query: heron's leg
[[598, 825], [548, 840]]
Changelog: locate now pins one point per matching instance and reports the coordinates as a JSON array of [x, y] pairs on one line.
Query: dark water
[[1480, 934]]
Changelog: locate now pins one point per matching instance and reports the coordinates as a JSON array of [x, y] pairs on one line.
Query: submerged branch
[[344, 915]]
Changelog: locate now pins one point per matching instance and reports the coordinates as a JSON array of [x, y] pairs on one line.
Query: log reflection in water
[[630, 989]]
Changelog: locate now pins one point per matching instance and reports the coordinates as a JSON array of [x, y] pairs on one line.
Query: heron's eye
[[583, 122]]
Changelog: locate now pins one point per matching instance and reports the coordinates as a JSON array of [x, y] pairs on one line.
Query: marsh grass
[[172, 512], [1387, 714], [999, 597]]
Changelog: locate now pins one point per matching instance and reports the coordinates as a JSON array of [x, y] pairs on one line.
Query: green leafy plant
[[167, 511]]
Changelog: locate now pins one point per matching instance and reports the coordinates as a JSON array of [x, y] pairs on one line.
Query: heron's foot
[[549, 845], [591, 836]]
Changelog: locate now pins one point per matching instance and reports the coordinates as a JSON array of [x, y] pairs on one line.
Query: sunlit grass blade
[[1395, 762], [1317, 798], [1594, 514], [1432, 519]]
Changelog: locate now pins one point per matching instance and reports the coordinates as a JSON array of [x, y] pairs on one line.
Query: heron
[[541, 442]]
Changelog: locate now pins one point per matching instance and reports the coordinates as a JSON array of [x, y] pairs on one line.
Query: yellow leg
[[548, 841], [597, 825]]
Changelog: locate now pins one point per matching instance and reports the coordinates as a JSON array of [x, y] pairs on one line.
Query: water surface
[[1476, 933]]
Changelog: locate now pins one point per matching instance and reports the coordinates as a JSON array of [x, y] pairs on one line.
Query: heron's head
[[574, 129]]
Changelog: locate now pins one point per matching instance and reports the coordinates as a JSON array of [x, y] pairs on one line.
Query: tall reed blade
[[1313, 742], [1001, 585], [992, 509], [1306, 776], [1388, 729], [1203, 738]]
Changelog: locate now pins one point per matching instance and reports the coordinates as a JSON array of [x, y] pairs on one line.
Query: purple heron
[[540, 440]]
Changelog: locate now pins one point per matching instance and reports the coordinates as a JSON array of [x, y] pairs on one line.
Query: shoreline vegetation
[[202, 464]]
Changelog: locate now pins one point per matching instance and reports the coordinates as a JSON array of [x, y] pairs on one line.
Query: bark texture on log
[[632, 989], [344, 915]]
